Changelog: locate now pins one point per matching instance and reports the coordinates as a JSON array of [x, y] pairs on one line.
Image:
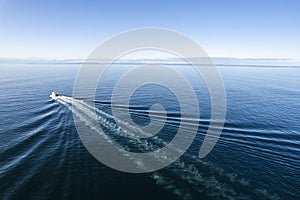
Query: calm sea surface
[[256, 157]]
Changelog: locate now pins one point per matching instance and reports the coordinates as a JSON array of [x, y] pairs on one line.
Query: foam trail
[[87, 115], [183, 171], [82, 104]]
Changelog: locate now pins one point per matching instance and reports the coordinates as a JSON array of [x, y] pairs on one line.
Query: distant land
[[219, 61]]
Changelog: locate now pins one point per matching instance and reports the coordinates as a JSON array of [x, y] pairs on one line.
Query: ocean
[[256, 157]]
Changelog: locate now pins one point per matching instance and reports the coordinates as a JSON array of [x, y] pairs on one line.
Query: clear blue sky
[[72, 29]]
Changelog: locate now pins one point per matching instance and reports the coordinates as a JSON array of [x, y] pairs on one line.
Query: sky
[[57, 29]]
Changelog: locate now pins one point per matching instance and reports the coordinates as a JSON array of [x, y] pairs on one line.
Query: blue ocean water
[[256, 157]]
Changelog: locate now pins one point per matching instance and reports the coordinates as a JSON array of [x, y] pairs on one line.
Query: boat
[[54, 95]]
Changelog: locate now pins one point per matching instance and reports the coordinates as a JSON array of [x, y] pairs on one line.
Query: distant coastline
[[218, 61]]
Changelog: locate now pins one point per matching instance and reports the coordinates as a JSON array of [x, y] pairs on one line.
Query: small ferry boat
[[54, 95]]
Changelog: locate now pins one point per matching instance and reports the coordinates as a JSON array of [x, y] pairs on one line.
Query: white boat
[[54, 95]]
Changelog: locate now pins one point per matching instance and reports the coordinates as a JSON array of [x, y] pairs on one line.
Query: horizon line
[[217, 61], [143, 59]]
